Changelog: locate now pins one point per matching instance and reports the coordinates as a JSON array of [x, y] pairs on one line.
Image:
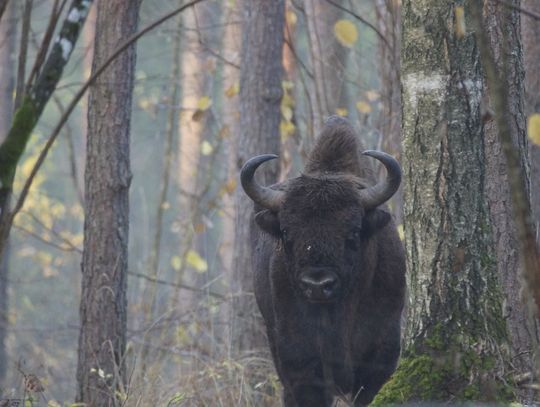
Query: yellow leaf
[[145, 103], [287, 112], [460, 21], [287, 85], [372, 95], [176, 262], [196, 261], [206, 148], [204, 103], [363, 107], [341, 112], [232, 90], [346, 33], [533, 128], [287, 100], [290, 17], [286, 128], [199, 228]]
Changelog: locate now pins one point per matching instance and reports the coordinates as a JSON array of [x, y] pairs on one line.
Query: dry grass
[[247, 381]]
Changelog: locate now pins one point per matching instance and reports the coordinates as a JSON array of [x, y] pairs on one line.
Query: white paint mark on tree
[[418, 84], [74, 16], [66, 46]]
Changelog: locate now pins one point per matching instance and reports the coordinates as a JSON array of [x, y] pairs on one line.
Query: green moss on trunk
[[14, 145], [442, 370]]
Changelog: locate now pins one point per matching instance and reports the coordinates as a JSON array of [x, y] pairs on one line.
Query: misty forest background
[[166, 316]]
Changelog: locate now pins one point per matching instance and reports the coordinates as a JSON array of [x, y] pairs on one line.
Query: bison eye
[[353, 240], [356, 234]]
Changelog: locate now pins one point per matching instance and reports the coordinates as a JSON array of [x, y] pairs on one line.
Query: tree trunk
[[503, 29], [455, 329], [101, 372], [232, 38], [7, 85], [196, 83], [260, 97], [530, 32]]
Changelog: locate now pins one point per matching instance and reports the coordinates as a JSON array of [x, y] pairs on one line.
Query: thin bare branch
[[177, 285], [71, 153], [53, 232], [69, 248]]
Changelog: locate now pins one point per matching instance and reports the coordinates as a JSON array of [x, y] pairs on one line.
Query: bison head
[[324, 219]]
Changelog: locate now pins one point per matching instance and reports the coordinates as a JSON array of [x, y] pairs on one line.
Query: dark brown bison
[[329, 271]]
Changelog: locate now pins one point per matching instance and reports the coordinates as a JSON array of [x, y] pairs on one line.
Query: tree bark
[[101, 372], [508, 183], [232, 38], [455, 329], [260, 97], [530, 32]]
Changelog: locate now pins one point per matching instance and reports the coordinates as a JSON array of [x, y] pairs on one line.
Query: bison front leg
[[302, 378], [374, 373]]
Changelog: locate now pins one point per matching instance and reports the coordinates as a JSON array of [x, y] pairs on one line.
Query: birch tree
[[38, 89], [455, 332], [33, 92]]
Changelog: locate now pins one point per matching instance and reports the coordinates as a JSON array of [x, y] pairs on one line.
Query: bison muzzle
[[329, 270]]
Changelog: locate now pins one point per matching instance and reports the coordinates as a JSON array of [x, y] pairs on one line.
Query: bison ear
[[268, 221], [375, 220]]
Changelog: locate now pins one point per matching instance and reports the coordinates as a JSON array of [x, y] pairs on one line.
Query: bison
[[329, 271]]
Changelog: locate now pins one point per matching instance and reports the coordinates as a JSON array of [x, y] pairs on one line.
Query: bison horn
[[266, 197], [383, 191]]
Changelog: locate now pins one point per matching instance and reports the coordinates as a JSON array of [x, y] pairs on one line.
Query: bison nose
[[319, 284]]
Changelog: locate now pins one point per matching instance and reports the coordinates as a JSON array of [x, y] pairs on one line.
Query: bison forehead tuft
[[308, 195]]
